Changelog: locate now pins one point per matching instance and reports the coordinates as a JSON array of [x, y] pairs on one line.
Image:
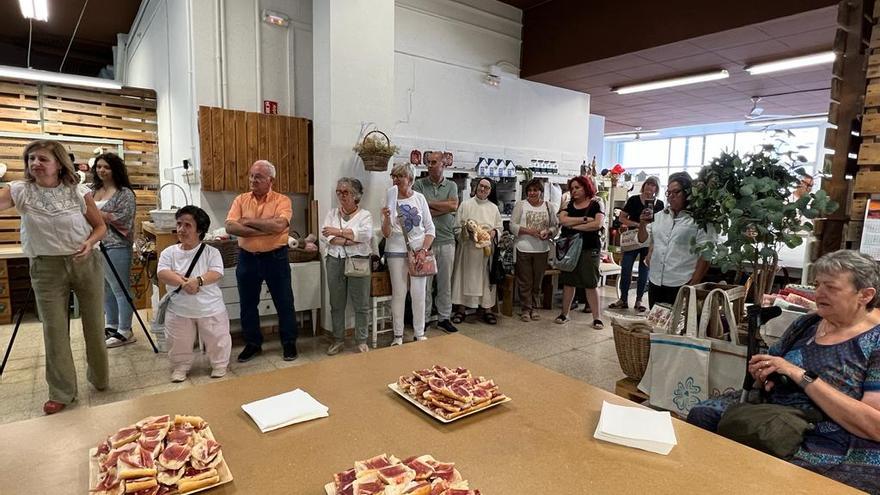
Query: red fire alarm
[[270, 107]]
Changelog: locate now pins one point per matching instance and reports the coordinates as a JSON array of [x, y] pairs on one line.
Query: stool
[[381, 313]]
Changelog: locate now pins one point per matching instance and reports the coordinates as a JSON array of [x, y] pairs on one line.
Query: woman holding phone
[[629, 219]]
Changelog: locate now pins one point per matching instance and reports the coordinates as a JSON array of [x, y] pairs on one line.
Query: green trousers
[[52, 278], [341, 287]]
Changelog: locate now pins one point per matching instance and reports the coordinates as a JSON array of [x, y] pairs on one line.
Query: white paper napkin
[[636, 427], [285, 409]]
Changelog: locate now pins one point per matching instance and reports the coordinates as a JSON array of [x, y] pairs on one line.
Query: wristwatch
[[201, 281], [808, 378]]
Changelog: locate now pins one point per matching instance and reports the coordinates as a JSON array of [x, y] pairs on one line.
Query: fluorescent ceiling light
[[34, 9], [631, 135], [57, 77], [669, 83], [793, 120], [792, 63]]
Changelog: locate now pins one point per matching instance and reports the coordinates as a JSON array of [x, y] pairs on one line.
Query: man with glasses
[[669, 240], [261, 220], [442, 196]]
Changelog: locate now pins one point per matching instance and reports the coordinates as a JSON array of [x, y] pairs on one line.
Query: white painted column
[[353, 48]]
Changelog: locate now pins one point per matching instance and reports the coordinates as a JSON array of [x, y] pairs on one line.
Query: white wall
[[596, 141], [211, 59], [157, 57], [443, 50]]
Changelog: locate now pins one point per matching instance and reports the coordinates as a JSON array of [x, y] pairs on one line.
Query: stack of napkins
[[636, 427], [284, 410]]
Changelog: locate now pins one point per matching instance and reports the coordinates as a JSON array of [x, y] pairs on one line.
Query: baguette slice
[[184, 486], [132, 486]]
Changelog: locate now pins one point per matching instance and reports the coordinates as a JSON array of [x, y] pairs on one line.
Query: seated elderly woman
[[832, 361]]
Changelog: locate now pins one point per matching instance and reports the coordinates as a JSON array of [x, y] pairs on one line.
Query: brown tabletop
[[539, 443]]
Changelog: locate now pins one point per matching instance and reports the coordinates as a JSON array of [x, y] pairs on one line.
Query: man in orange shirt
[[261, 219]]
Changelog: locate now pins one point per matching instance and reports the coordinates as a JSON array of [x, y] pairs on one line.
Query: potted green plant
[[750, 202]]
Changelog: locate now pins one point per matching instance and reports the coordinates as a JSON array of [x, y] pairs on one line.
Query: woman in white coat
[[471, 287]]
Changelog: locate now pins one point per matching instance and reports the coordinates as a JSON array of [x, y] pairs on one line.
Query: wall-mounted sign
[[270, 107]]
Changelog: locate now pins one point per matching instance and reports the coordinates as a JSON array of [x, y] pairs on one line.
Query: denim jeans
[[117, 310], [445, 256], [252, 270], [626, 270]]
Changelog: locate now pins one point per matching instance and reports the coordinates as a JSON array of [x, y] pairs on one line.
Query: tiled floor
[[574, 349]]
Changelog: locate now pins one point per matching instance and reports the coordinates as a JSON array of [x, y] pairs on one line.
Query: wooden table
[[539, 443]]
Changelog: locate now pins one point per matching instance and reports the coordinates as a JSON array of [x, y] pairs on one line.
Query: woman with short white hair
[[412, 216]]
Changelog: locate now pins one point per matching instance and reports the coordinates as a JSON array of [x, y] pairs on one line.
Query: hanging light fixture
[[37, 10]]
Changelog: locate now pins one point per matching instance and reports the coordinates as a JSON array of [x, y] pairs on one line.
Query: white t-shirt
[[417, 217], [361, 225], [208, 301]]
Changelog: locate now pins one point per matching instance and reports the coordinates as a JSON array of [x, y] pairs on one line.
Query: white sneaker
[[397, 341], [115, 340], [335, 348], [178, 376], [420, 338], [363, 348], [217, 373]]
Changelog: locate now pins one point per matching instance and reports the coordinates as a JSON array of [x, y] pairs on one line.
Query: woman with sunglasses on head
[[668, 234]]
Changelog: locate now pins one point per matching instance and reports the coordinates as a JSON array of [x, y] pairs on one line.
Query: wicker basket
[[298, 255], [632, 340], [228, 250], [376, 161]]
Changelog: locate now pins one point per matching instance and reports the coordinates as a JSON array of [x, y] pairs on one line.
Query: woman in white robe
[[470, 277]]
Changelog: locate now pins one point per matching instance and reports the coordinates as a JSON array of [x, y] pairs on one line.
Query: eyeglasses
[[258, 178], [343, 193], [670, 192], [481, 186]]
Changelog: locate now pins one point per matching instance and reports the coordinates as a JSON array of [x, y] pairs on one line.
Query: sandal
[[525, 317], [457, 317], [598, 325], [641, 307], [490, 318], [562, 319], [618, 305]]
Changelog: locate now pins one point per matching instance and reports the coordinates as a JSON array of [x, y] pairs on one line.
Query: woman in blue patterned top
[[834, 358]]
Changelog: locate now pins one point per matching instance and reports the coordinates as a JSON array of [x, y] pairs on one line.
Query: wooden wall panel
[[206, 147], [232, 140]]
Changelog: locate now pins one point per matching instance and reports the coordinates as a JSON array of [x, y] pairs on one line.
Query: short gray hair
[[354, 185], [268, 165], [401, 169], [863, 270]]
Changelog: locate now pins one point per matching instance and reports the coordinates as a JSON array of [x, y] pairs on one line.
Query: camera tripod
[[20, 313]]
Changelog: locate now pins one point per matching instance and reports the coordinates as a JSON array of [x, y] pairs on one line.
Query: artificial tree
[[750, 202]]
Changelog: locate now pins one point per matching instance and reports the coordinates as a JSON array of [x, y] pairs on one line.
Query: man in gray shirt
[[442, 196]]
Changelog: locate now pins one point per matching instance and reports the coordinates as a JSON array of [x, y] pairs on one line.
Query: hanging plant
[[749, 201]]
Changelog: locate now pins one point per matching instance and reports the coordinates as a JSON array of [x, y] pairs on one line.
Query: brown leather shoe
[[52, 407]]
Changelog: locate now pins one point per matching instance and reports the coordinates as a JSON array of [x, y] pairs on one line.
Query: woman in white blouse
[[533, 222], [347, 232], [413, 214]]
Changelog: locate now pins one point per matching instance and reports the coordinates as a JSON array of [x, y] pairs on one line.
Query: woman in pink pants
[[198, 305]]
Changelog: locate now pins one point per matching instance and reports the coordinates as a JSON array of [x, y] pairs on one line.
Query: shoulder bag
[[355, 266], [424, 268], [497, 273], [166, 299]]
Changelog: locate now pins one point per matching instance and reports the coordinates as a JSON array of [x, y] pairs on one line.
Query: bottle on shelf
[[553, 168], [594, 167]]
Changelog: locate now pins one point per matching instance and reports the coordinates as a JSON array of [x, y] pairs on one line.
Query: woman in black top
[[584, 215], [629, 219]]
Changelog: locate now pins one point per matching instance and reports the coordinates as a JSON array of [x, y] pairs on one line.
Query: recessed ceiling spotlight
[[669, 83]]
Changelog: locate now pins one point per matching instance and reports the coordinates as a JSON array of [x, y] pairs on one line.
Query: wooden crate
[[5, 310], [380, 284]]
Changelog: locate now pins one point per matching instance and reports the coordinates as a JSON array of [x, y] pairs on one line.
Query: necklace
[[348, 214], [822, 331]]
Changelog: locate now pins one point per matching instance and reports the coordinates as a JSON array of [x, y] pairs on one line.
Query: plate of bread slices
[[158, 455], [448, 394], [383, 474]]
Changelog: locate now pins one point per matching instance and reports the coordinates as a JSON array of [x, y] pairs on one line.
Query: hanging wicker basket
[[376, 160]]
